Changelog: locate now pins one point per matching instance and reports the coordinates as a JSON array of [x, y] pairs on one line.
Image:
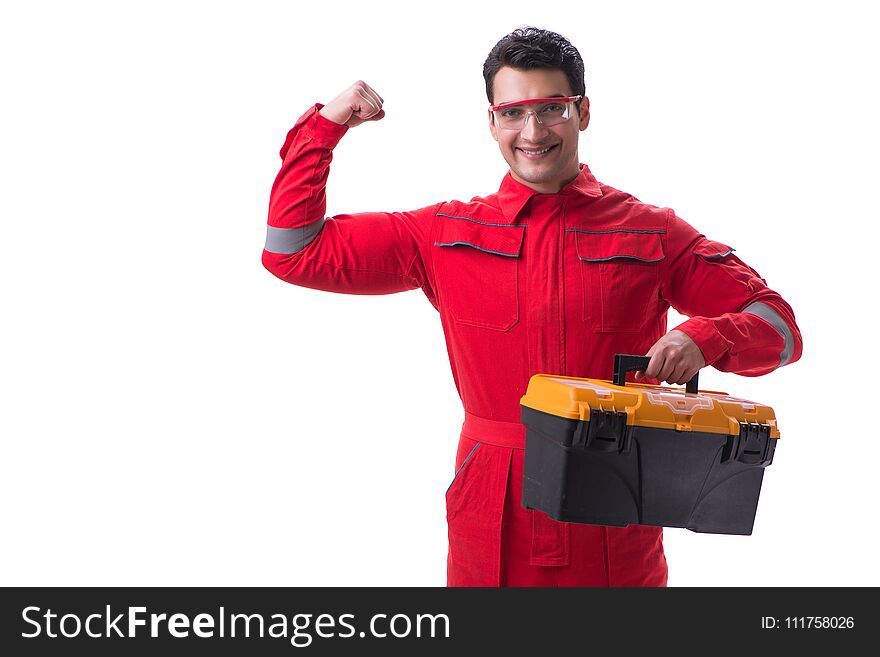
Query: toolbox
[[611, 453]]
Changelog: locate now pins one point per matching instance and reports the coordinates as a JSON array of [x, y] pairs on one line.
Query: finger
[[690, 373], [655, 366], [360, 84], [673, 369], [666, 370], [679, 374], [640, 374], [375, 94], [367, 107], [378, 116], [374, 98], [687, 376]]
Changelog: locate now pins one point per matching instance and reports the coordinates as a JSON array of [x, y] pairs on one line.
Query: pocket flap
[[712, 250], [499, 239], [633, 245]]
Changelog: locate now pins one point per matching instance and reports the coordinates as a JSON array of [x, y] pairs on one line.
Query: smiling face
[[541, 157]]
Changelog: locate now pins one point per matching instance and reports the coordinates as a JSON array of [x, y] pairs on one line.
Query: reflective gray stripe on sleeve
[[767, 313], [292, 240]]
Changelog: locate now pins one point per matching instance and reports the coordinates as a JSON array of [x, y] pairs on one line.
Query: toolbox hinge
[[753, 445], [605, 432]]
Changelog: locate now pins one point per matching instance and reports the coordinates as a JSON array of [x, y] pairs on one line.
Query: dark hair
[[528, 48]]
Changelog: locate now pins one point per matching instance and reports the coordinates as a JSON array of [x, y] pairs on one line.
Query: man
[[555, 273]]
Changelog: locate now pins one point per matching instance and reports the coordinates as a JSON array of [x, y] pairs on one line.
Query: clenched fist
[[355, 105]]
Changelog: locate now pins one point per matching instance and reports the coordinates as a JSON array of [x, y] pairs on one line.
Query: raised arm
[[366, 253]]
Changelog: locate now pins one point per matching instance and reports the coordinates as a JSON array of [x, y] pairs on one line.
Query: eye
[[511, 113], [553, 108]]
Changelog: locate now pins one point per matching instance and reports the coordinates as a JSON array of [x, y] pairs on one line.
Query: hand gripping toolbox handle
[[624, 363]]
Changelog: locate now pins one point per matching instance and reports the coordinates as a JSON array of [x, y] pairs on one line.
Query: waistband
[[494, 432]]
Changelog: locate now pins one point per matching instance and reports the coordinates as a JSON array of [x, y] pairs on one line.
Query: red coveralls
[[529, 283]]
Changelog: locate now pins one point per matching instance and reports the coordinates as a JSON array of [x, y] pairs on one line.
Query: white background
[[172, 414]]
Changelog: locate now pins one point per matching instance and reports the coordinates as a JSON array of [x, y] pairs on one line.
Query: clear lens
[[548, 114]]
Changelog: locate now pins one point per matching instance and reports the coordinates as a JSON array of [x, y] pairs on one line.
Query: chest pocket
[[477, 267], [620, 271]]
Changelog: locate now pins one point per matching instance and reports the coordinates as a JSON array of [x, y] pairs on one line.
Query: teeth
[[536, 152]]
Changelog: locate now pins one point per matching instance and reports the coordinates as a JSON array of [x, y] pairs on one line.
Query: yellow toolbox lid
[[645, 405]]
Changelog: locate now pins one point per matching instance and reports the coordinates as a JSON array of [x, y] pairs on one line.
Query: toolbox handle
[[624, 363]]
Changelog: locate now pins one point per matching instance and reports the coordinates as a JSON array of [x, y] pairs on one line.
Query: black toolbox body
[[604, 467]]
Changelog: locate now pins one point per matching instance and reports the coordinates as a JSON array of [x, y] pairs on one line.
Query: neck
[[553, 187]]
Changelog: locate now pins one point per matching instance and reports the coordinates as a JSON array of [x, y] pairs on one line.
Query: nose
[[533, 130]]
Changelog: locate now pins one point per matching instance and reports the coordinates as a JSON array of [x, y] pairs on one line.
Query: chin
[[536, 177]]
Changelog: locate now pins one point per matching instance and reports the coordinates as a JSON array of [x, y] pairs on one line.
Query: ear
[[585, 114], [492, 128]]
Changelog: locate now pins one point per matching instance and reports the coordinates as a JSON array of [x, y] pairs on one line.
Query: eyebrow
[[504, 102]]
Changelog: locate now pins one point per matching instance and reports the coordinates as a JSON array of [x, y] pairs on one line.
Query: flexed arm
[[368, 253]]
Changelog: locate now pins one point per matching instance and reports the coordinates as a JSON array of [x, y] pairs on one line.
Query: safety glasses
[[547, 111]]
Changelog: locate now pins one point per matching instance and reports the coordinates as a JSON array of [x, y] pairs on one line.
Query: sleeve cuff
[[318, 129], [711, 343]]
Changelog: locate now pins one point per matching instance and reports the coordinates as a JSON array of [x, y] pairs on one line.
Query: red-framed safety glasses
[[547, 111]]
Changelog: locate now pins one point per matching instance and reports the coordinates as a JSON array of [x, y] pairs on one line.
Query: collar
[[513, 195]]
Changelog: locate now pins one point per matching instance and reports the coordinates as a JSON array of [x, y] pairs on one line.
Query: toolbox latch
[[753, 446], [605, 432]]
